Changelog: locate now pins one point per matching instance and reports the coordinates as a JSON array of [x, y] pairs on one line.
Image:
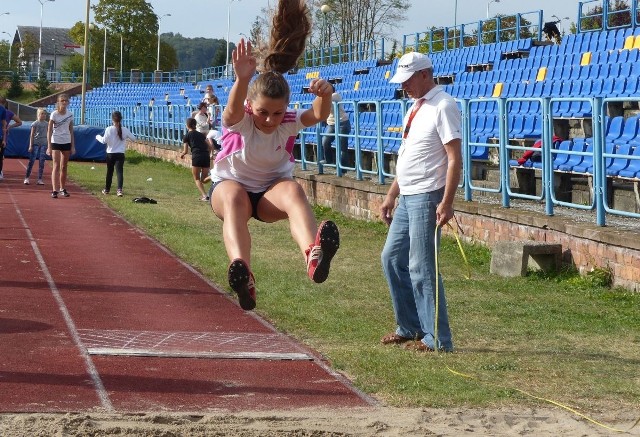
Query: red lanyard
[[416, 106]]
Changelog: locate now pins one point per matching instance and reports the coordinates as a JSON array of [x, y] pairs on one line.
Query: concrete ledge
[[515, 258]]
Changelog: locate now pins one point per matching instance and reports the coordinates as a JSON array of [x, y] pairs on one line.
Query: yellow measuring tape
[[435, 335]]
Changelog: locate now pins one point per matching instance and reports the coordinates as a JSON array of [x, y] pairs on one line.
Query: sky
[[208, 18]]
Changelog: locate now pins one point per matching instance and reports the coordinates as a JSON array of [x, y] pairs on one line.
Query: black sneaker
[[322, 251], [64, 192], [54, 194], [242, 282]]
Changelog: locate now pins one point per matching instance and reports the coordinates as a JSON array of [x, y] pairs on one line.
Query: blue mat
[[87, 147]]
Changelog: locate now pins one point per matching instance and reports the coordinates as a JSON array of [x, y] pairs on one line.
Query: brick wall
[[585, 245]]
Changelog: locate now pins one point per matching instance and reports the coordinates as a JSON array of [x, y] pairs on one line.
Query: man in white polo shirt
[[427, 176]]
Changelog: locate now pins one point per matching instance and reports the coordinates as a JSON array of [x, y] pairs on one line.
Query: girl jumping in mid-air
[[252, 175]]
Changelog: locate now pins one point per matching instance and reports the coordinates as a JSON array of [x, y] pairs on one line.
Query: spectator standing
[[8, 118], [208, 92], [252, 175], [344, 128], [201, 116], [61, 145], [214, 110], [115, 138], [427, 176], [37, 145], [200, 155], [3, 135]]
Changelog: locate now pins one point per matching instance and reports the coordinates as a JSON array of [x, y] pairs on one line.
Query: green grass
[[559, 336]]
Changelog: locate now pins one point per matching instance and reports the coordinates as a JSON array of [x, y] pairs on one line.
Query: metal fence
[[374, 141]]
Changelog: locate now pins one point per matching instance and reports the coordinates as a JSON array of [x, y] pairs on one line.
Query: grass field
[[562, 337]]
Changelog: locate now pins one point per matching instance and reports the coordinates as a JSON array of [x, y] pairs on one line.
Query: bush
[[43, 86], [16, 88]]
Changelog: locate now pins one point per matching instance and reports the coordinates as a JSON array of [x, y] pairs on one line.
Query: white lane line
[[91, 368], [141, 352]]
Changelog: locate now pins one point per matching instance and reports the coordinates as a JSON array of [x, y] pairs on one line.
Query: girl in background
[[115, 137], [253, 173], [200, 155], [61, 145], [37, 145]]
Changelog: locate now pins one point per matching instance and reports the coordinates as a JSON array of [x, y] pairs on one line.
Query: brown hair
[[290, 28], [116, 117], [191, 123]]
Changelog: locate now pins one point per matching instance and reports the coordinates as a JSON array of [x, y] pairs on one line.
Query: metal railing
[[498, 29], [374, 145]]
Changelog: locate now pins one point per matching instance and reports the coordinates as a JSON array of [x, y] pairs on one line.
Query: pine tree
[[16, 88], [42, 86]]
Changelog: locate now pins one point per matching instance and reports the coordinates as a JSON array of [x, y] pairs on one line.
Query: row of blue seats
[[576, 156], [603, 87], [576, 72], [623, 131], [486, 126]]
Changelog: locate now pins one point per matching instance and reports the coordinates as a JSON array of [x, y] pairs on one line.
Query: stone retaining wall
[[585, 245]]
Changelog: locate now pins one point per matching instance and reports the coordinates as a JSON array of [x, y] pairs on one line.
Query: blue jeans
[[408, 262], [329, 137], [38, 152]]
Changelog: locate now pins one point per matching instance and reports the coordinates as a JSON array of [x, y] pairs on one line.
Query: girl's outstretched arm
[[244, 65], [321, 107]]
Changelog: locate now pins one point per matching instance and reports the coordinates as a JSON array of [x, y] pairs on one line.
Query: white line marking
[[213, 355], [91, 368]]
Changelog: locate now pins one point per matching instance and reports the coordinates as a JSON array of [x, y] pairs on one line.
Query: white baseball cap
[[409, 64]]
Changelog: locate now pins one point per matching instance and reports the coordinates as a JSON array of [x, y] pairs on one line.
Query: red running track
[[94, 315]]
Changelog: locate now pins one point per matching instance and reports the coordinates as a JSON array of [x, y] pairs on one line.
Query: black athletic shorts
[[254, 198], [66, 147]]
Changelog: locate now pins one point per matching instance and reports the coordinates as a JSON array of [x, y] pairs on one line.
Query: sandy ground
[[376, 421]]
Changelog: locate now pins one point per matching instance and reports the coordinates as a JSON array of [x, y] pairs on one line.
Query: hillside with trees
[[197, 53]]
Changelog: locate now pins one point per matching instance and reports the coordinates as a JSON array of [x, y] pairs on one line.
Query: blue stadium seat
[[577, 145], [586, 164], [616, 164], [515, 124], [559, 155], [631, 86], [629, 132], [614, 129], [632, 171]]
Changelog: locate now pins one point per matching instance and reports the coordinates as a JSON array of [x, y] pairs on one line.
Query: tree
[[352, 21], [15, 89], [94, 64], [43, 86], [619, 16], [507, 29], [135, 22], [73, 66], [4, 56], [193, 53]]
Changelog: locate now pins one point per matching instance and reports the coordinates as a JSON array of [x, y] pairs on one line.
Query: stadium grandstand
[[514, 86]]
